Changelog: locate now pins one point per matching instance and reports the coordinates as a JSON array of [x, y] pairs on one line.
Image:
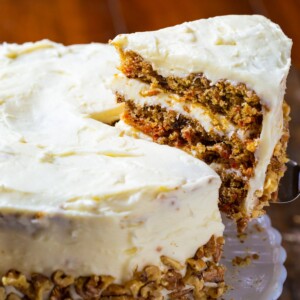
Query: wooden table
[[85, 21]]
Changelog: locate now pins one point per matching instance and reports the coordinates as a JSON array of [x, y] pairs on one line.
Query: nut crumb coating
[[200, 278]]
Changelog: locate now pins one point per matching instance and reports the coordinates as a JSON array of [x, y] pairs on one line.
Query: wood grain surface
[[85, 21]]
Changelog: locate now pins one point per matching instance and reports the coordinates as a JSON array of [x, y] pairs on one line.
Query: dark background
[[85, 21]]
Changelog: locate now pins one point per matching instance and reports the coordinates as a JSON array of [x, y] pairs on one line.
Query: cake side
[[199, 277]]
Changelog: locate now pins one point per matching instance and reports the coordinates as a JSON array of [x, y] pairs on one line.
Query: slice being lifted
[[214, 88]]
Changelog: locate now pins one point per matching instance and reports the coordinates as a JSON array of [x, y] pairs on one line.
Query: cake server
[[289, 188]]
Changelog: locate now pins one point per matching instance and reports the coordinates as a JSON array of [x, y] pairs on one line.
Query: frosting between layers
[[239, 49], [74, 194], [137, 91]]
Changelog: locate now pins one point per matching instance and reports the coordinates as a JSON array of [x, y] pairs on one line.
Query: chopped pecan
[[210, 247], [180, 295], [215, 292], [220, 241], [151, 291], [152, 273], [41, 284], [116, 290], [61, 279], [59, 293], [214, 274], [170, 262], [200, 253], [172, 280], [93, 286], [18, 281], [196, 282], [197, 265], [134, 286]]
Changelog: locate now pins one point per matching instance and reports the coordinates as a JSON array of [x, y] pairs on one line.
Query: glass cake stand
[[263, 278]]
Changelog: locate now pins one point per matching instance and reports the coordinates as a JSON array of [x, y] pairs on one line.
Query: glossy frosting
[[237, 48], [76, 195]]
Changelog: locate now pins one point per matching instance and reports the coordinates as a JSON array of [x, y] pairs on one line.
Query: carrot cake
[[214, 88], [86, 213]]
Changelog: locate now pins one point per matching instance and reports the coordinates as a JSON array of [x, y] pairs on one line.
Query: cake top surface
[[55, 157], [240, 48], [77, 63]]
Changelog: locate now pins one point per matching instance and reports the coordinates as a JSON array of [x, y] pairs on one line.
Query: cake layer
[[78, 196], [236, 103], [187, 126], [229, 68], [145, 94]]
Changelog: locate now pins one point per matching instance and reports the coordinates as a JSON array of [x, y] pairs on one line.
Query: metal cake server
[[289, 188]]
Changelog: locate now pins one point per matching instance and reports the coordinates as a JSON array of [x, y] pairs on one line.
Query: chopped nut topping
[[195, 282], [172, 280], [19, 281], [41, 284], [172, 263], [134, 286], [244, 261], [216, 292], [180, 295], [200, 253], [151, 290], [202, 280], [59, 293], [93, 286], [152, 273], [214, 274], [61, 279], [116, 290], [197, 265]]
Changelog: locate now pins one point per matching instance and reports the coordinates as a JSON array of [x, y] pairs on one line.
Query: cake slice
[[214, 88], [84, 210]]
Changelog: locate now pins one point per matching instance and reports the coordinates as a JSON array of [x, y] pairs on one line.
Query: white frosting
[[74, 194], [131, 131], [246, 49], [87, 66], [137, 91]]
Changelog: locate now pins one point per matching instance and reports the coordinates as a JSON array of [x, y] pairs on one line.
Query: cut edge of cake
[[216, 91]]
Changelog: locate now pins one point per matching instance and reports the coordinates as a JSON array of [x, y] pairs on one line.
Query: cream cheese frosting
[[247, 49], [140, 93], [75, 194], [88, 66]]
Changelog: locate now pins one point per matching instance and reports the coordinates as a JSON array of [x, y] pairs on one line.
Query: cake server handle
[[289, 188]]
